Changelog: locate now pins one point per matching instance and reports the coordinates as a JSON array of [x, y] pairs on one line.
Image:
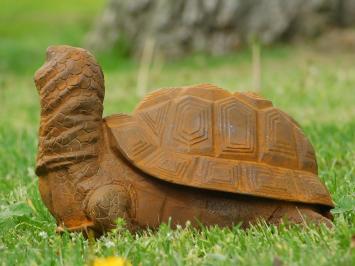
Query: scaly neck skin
[[71, 90], [70, 133]]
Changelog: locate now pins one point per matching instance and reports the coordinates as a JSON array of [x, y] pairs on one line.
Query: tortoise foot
[[300, 215], [105, 205], [84, 228]]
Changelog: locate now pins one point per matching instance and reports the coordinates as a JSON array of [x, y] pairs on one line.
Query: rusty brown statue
[[196, 153]]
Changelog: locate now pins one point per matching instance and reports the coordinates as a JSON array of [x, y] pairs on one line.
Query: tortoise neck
[[71, 90], [69, 134]]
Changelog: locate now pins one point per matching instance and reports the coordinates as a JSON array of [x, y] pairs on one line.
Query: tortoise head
[[67, 68]]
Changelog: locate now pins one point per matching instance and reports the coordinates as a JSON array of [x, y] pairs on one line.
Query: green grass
[[317, 88]]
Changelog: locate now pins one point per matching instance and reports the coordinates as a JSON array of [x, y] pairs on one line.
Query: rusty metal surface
[[198, 154]]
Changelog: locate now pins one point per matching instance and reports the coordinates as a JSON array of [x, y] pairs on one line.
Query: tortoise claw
[[79, 228], [87, 229]]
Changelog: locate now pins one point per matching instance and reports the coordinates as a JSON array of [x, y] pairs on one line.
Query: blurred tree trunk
[[214, 26]]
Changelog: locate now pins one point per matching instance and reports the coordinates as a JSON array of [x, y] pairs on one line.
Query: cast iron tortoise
[[196, 153]]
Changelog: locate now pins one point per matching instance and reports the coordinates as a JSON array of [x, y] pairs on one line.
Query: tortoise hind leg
[[296, 214], [105, 205]]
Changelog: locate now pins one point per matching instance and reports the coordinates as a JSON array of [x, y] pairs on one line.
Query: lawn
[[316, 87]]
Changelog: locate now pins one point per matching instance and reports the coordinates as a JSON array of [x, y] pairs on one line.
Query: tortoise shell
[[205, 137]]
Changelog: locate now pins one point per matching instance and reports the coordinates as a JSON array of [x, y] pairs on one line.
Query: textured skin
[[196, 154]]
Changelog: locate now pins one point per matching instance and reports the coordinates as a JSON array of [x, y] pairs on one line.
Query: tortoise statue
[[198, 154]]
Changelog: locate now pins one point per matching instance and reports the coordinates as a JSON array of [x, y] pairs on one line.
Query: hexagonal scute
[[277, 143], [191, 126], [235, 129]]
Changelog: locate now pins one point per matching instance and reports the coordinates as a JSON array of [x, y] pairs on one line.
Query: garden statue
[[198, 154]]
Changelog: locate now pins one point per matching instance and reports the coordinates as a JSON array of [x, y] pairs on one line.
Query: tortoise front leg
[[105, 205]]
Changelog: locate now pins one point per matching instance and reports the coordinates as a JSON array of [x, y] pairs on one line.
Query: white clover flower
[[109, 244], [43, 234]]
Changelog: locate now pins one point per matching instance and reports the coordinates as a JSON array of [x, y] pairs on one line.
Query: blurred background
[[298, 53], [170, 29], [286, 50]]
